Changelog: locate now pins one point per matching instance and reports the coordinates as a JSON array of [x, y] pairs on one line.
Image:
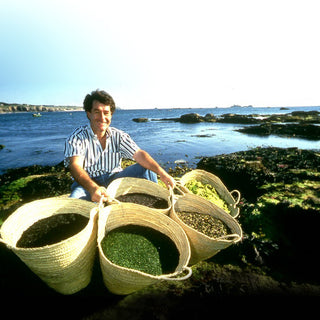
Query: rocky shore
[[274, 265], [8, 108], [297, 124]]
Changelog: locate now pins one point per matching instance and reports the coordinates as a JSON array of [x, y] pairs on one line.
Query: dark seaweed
[[52, 230], [144, 199], [205, 223]]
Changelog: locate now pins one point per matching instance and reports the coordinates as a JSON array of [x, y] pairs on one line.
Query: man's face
[[100, 117]]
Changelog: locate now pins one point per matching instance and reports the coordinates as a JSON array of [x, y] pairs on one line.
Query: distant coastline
[[16, 107]]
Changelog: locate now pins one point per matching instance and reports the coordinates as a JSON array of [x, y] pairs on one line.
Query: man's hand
[[146, 161], [167, 179], [99, 192], [82, 177]]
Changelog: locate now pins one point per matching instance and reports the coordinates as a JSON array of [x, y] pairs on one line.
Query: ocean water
[[32, 140]]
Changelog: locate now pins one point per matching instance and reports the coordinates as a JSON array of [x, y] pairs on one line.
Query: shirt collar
[[93, 135]]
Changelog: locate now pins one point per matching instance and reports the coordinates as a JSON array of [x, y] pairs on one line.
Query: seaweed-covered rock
[[248, 170], [140, 119], [209, 117], [311, 117], [21, 185], [238, 118], [280, 211], [300, 130], [295, 116], [191, 118]]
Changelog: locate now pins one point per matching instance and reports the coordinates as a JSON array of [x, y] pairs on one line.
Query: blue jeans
[[134, 171]]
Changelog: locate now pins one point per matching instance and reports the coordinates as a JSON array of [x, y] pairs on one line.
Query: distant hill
[[16, 107]]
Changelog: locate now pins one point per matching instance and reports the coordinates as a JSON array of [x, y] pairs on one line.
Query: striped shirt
[[84, 143]]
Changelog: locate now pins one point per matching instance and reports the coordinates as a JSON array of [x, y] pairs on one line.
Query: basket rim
[[135, 206], [19, 211]]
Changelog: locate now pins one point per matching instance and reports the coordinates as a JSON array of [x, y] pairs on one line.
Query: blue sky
[[169, 53]]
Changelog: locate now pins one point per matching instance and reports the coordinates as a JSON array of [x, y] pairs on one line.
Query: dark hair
[[100, 96]]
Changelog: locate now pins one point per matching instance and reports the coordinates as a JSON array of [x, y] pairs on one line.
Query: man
[[93, 153]]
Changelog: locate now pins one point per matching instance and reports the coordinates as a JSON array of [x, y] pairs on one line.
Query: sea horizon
[[77, 107]]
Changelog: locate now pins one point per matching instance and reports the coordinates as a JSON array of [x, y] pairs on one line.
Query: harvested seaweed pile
[[147, 200], [52, 230], [141, 248], [204, 223], [208, 192]]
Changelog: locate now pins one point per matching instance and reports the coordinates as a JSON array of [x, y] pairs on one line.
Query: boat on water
[[37, 114]]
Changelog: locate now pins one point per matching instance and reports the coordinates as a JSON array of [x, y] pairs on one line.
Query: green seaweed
[[11, 192], [208, 192], [141, 248], [304, 194]]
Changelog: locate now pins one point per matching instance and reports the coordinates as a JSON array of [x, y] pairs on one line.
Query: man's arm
[[146, 161], [82, 177]]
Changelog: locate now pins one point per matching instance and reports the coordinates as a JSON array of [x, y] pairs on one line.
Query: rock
[[205, 135], [209, 117], [280, 207], [305, 113], [238, 118], [180, 161], [295, 116], [302, 130], [191, 118], [140, 119], [4, 107]]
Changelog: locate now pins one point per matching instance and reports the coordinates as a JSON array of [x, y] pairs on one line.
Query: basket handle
[[181, 188], [113, 201], [175, 278], [239, 197], [230, 237], [100, 206]]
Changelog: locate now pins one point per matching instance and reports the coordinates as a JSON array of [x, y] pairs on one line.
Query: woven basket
[[121, 280], [202, 246], [123, 186], [65, 266], [209, 178]]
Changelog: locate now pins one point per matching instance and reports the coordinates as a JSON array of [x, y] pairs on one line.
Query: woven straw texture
[[202, 246], [65, 266], [123, 186], [120, 280], [209, 178]]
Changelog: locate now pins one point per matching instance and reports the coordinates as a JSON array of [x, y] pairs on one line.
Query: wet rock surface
[[280, 208], [248, 170], [300, 130], [140, 119]]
